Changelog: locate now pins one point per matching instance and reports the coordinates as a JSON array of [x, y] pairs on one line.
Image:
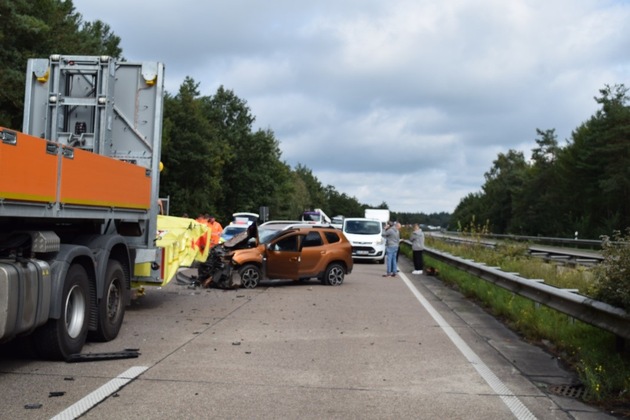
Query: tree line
[[214, 161], [582, 186]]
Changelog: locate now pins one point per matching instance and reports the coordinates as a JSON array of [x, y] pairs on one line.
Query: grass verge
[[589, 351]]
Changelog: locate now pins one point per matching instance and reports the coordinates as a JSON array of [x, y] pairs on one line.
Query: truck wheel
[[334, 274], [250, 276], [111, 309], [60, 338]]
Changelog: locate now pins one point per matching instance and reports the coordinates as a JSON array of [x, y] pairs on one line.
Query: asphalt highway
[[373, 348]]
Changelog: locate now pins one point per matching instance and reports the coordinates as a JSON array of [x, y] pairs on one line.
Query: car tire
[[250, 276], [334, 275]]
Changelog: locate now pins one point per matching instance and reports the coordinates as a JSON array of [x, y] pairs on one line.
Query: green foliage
[[192, 153], [590, 351], [613, 274], [341, 203], [317, 193], [39, 28], [512, 257], [441, 219], [504, 182], [473, 229], [291, 194], [539, 202]]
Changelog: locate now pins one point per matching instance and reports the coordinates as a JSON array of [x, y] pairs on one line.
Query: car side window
[[312, 239], [286, 244], [332, 237]]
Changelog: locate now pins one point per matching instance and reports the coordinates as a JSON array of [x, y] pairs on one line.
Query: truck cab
[[316, 216]]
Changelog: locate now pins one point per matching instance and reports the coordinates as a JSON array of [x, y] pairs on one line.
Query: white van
[[366, 238]]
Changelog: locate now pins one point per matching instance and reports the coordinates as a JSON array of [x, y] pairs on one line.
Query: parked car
[[239, 224], [230, 231], [293, 252]]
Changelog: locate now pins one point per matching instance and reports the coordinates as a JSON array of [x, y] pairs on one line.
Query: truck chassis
[[78, 193]]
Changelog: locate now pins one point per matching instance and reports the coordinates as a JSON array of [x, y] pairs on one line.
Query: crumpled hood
[[242, 240]]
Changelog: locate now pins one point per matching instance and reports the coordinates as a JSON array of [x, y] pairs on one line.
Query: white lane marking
[[513, 403], [83, 405]]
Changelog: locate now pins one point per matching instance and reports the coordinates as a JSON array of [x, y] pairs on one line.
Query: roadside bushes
[[612, 276]]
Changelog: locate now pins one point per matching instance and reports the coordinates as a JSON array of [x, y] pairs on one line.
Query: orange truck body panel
[[29, 173]]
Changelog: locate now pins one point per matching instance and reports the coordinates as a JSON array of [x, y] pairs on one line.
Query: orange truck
[[79, 201]]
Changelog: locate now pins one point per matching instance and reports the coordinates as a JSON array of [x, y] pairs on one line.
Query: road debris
[[93, 357]]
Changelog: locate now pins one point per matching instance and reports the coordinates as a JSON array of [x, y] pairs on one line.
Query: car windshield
[[363, 227], [268, 230], [265, 235], [233, 230]]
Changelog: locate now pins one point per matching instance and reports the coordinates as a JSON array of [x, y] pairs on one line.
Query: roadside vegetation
[[591, 352]]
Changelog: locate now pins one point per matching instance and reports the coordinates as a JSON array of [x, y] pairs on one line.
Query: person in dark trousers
[[398, 226], [417, 246]]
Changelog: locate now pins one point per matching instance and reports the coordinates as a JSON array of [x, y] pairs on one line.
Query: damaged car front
[[218, 270]]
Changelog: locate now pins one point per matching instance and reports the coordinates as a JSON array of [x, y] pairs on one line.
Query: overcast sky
[[403, 101]]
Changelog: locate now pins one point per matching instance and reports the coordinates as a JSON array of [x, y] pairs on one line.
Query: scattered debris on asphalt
[[52, 394], [93, 357]]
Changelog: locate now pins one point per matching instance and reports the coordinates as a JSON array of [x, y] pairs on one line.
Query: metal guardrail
[[567, 256], [567, 301], [573, 242]]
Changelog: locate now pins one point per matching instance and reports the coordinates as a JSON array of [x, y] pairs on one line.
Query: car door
[[312, 255], [283, 257]]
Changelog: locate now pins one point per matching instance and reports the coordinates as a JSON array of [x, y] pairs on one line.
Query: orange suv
[[297, 252]]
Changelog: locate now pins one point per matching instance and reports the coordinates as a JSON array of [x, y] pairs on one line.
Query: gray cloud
[[404, 101]]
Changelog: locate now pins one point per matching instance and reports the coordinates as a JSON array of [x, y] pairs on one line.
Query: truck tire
[[111, 308], [60, 338]]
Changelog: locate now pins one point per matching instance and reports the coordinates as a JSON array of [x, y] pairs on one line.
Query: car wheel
[[250, 276], [334, 274]]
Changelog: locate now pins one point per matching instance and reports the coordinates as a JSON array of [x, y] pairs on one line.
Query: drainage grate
[[572, 391]]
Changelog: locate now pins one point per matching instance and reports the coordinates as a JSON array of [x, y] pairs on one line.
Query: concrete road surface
[[373, 348]]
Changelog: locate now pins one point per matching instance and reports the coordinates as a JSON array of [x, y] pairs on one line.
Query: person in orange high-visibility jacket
[[215, 230]]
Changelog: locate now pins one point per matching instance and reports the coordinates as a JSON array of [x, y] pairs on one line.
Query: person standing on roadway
[[399, 228], [417, 246], [215, 230], [392, 239]]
